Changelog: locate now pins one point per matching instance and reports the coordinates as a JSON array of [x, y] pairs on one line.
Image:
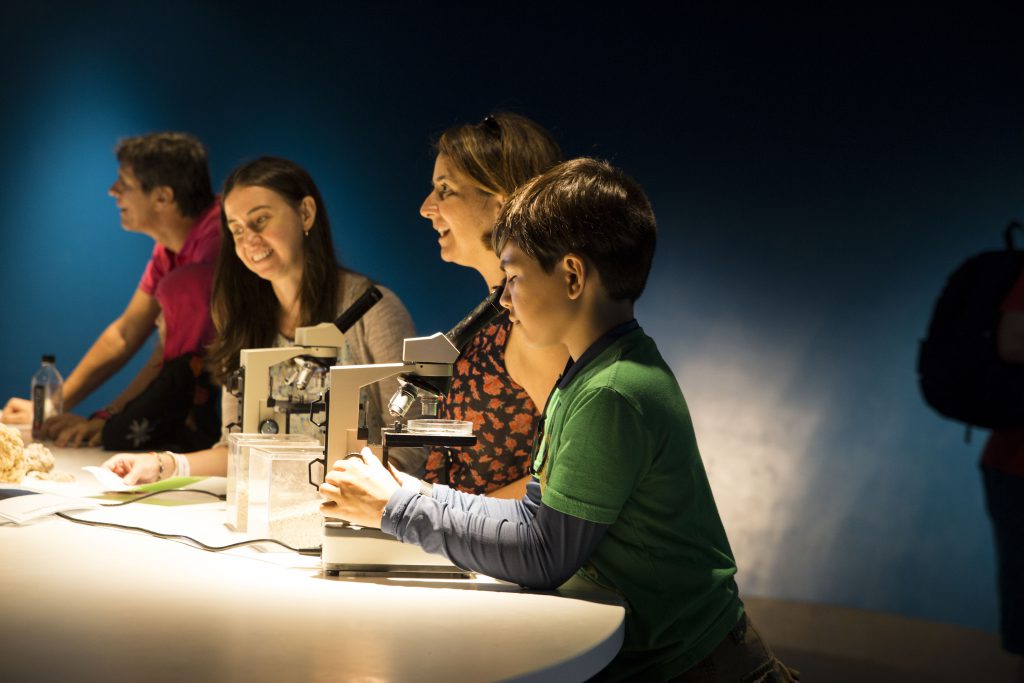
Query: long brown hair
[[500, 153], [244, 307]]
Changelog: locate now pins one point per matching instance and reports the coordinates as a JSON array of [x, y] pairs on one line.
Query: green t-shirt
[[619, 449]]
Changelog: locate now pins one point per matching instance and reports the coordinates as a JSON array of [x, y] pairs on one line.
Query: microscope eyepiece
[[357, 310], [486, 311]]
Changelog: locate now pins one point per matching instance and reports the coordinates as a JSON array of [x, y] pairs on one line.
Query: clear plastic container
[[47, 395], [283, 505], [237, 491], [428, 426]]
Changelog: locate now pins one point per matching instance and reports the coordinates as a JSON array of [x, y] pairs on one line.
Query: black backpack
[[958, 367]]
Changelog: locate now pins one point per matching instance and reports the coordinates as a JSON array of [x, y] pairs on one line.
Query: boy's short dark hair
[[586, 207], [176, 160]]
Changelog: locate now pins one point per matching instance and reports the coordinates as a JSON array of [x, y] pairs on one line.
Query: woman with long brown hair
[[499, 383], [277, 271]]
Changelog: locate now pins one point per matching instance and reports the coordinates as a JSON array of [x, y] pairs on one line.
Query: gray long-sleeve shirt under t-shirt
[[523, 541]]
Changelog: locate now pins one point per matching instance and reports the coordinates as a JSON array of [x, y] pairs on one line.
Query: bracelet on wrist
[[182, 467], [102, 414]]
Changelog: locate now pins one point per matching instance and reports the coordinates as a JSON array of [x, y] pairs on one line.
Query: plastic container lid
[[430, 426]]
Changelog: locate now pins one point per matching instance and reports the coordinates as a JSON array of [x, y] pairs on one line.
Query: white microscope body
[[259, 411], [271, 395], [425, 373]]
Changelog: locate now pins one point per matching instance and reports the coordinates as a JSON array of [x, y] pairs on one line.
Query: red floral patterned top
[[501, 411]]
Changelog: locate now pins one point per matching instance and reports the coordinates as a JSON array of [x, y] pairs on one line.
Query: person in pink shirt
[[163, 190]]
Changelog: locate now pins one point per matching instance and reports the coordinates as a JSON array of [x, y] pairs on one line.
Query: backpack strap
[[1008, 234]]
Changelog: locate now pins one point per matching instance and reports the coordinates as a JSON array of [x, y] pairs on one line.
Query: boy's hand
[[406, 481], [357, 489]]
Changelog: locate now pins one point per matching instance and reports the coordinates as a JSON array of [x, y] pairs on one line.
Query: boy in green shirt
[[620, 499]]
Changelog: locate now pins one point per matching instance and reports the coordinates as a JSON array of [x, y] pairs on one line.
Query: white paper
[[218, 485], [113, 483], [107, 479], [24, 508]]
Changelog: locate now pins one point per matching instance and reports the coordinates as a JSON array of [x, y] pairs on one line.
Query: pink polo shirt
[[182, 282]]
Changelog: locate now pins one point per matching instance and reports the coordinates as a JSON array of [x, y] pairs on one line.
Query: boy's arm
[[516, 510], [554, 538], [540, 549]]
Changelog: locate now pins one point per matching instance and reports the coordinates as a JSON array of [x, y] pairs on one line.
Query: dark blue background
[[815, 177]]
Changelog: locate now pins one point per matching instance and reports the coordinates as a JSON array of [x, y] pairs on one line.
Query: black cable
[[218, 496], [199, 544]]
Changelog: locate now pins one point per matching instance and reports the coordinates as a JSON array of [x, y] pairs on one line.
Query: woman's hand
[[136, 468], [357, 488]]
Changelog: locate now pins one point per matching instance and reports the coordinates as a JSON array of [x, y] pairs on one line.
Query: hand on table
[[70, 430], [16, 411], [134, 468], [357, 489]]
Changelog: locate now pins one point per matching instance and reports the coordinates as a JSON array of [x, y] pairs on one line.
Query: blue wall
[[815, 179]]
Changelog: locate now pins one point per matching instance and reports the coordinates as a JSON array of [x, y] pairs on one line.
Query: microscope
[[276, 387], [424, 375]]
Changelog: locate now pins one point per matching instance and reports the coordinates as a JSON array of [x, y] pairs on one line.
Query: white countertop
[[92, 604]]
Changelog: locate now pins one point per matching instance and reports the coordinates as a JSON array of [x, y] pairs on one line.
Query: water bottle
[[47, 395]]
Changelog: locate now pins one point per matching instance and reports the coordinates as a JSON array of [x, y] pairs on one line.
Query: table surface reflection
[[98, 604]]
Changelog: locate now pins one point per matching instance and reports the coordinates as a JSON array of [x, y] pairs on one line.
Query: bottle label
[[38, 409]]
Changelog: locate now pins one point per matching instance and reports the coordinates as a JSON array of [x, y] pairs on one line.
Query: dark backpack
[[958, 367]]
